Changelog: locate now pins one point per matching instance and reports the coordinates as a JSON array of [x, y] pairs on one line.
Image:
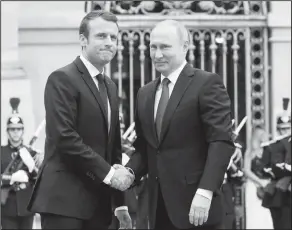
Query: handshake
[[122, 178]]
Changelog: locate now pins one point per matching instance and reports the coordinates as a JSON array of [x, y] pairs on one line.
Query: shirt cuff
[[230, 163], [288, 167], [237, 145], [206, 193], [125, 208], [107, 179], [125, 159]]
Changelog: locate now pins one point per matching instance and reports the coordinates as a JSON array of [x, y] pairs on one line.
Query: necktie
[[162, 105], [103, 92]]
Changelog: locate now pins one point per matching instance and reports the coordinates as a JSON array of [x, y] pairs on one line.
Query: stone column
[[14, 81], [279, 22]]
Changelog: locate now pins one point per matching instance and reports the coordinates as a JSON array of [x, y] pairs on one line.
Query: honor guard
[[233, 180], [277, 162], [17, 175]]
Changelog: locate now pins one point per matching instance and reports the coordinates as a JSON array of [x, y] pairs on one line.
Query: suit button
[[156, 178], [158, 152]]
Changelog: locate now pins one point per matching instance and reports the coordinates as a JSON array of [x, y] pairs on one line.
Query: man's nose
[[158, 54], [108, 41]]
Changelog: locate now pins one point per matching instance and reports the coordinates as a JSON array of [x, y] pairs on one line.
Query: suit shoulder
[[148, 86], [3, 147], [205, 75], [62, 74]]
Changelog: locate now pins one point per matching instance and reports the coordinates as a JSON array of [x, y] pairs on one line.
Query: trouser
[[53, 221], [142, 208], [163, 221], [17, 222], [228, 215], [281, 217]]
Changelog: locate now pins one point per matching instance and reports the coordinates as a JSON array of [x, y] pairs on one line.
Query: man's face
[[167, 51], [284, 131], [15, 134], [101, 45]]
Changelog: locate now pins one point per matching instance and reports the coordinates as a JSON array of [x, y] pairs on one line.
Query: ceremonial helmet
[[14, 120], [284, 118]]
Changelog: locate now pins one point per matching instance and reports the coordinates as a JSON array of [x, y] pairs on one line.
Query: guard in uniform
[[277, 162], [232, 179], [17, 175]]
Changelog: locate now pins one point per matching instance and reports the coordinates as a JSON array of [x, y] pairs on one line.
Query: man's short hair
[[182, 31], [108, 16]]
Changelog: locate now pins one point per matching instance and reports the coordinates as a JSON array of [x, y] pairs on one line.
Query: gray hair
[[182, 31]]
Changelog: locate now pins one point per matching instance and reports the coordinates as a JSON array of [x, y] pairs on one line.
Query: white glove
[[27, 159], [19, 176]]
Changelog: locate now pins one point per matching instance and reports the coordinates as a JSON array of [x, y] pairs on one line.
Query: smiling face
[[100, 46], [168, 48]]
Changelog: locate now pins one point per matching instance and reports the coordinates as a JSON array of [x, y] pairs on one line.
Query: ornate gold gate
[[227, 37]]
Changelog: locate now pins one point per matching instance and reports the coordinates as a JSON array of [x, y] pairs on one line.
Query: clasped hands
[[122, 178]]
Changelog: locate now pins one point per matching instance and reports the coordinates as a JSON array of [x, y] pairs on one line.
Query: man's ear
[[186, 46], [82, 40]]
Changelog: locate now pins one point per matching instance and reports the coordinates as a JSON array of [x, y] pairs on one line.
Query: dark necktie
[[103, 92], [162, 105]]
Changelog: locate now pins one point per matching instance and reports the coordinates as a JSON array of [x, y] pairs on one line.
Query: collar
[[15, 148], [91, 68], [175, 74]]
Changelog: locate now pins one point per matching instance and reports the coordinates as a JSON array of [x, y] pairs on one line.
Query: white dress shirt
[[173, 78]]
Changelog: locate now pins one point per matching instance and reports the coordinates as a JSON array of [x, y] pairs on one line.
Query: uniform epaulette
[[267, 143], [283, 136]]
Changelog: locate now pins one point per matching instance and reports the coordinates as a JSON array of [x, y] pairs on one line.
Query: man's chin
[[106, 60], [161, 69]]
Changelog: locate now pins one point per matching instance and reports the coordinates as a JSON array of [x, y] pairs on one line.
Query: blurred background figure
[[233, 177], [18, 171], [277, 162], [232, 183], [257, 217], [136, 197]]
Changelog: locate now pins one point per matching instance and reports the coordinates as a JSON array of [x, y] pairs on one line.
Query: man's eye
[[164, 47], [101, 35]]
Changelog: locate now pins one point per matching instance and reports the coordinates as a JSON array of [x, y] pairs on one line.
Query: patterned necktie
[[103, 92], [162, 105]]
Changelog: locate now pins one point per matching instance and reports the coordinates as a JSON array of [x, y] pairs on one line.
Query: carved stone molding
[[180, 7]]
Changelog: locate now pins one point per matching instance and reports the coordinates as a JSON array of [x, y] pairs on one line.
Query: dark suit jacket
[[78, 149], [195, 147]]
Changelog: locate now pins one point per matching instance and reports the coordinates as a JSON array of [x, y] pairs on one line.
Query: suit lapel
[[179, 89], [150, 109], [91, 85]]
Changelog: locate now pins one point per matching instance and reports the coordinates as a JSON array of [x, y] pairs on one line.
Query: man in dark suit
[[76, 184], [183, 126]]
